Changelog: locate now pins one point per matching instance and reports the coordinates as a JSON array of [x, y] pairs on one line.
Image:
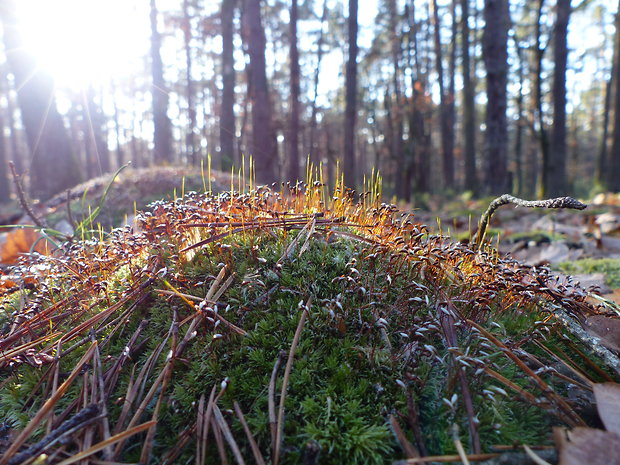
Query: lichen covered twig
[[558, 202]]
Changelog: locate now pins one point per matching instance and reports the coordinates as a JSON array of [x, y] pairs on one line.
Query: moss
[[609, 266], [537, 236], [374, 342]]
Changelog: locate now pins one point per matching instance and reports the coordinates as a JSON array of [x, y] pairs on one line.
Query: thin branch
[[22, 198], [559, 202], [287, 373]]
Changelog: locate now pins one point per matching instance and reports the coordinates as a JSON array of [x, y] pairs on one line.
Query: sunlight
[[83, 42]]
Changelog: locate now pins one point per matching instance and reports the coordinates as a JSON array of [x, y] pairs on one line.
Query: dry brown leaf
[[607, 328], [20, 241], [590, 446], [607, 397]]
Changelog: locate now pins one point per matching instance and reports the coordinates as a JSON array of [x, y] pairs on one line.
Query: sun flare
[[84, 42]]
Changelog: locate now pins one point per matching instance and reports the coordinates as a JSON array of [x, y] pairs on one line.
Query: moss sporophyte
[[282, 328]]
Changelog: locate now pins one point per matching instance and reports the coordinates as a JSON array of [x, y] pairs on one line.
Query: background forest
[[440, 96]]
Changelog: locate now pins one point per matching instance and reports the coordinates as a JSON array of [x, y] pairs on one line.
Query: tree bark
[[539, 51], [350, 114], [162, 137], [554, 174], [603, 154], [519, 186], [190, 139], [397, 110], [293, 128], [120, 152], [447, 136], [227, 109], [614, 171], [494, 50], [419, 143], [5, 191], [264, 147], [53, 165], [469, 105], [314, 157], [96, 133]]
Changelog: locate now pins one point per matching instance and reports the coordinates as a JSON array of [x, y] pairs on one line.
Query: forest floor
[[382, 296]]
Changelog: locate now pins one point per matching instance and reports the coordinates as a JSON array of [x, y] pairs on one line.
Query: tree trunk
[[190, 143], [314, 157], [539, 112], [5, 191], [264, 147], [120, 153], [447, 136], [469, 105], [396, 147], [53, 165], [603, 154], [293, 129], [494, 51], [419, 143], [614, 171], [97, 134], [350, 114], [162, 137], [519, 187], [227, 109], [554, 174]]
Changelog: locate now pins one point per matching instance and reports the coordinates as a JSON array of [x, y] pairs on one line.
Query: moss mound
[[281, 329]]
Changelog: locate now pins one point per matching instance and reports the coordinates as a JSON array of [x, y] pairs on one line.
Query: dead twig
[[271, 400], [85, 416], [287, 374], [408, 448], [21, 195], [559, 202], [47, 407], [258, 457]]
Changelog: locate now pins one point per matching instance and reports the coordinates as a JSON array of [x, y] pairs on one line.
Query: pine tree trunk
[[227, 109], [469, 108], [190, 144], [603, 154], [555, 173], [314, 156], [162, 138], [5, 191], [396, 147], [264, 146], [614, 171], [447, 137], [519, 186], [97, 133], [538, 106], [120, 153], [293, 129], [494, 50], [348, 164]]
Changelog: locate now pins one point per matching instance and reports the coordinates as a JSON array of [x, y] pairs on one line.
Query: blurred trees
[[439, 95], [162, 139], [53, 166]]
